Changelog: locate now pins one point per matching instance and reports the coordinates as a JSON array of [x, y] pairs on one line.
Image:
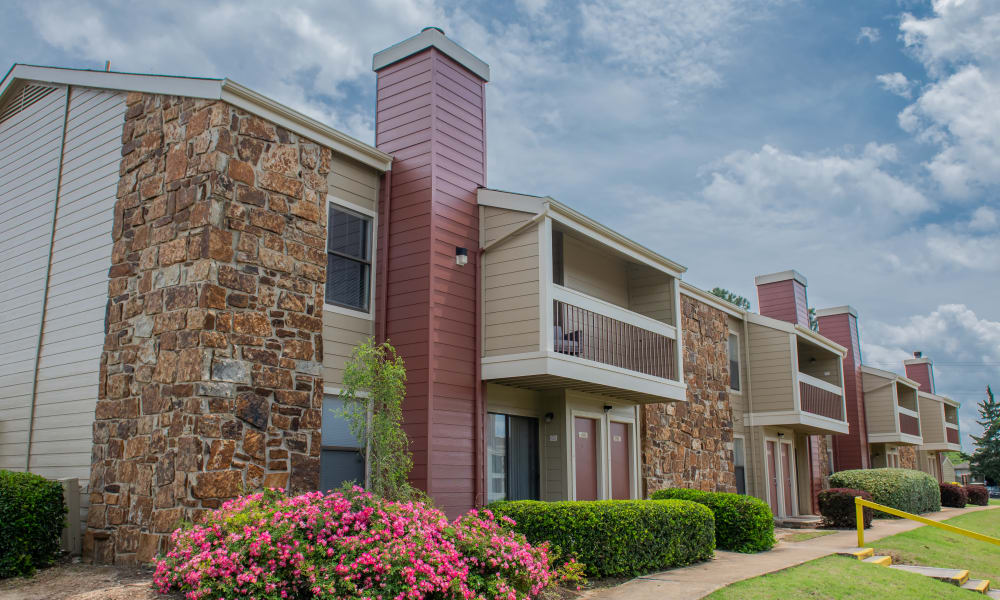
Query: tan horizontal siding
[[510, 283], [771, 376]]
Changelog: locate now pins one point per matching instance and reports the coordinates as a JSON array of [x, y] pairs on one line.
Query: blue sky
[[856, 141]]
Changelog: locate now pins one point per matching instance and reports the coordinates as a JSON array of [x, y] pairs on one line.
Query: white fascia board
[[837, 310], [820, 340], [923, 360], [780, 276], [939, 398], [895, 438], [712, 300], [879, 373], [793, 418], [511, 200], [208, 89], [431, 37], [941, 447]]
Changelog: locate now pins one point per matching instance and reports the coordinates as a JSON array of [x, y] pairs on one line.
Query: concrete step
[[977, 585], [885, 561], [858, 553], [993, 594], [799, 522], [952, 576]]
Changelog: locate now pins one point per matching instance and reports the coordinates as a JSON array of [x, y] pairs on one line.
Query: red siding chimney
[[921, 370], [783, 296], [850, 451], [430, 116]]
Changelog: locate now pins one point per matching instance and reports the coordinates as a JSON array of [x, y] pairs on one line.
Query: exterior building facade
[[192, 264]]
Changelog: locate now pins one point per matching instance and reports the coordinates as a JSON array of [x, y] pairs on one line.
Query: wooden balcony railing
[[819, 401], [600, 338], [952, 434], [909, 424]]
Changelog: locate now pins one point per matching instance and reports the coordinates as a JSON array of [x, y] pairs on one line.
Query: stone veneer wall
[[690, 444], [210, 379], [908, 457]]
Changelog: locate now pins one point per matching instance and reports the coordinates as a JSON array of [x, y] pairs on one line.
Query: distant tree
[[813, 321], [731, 297], [985, 460]]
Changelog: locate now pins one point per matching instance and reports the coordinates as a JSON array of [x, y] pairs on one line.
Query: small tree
[[373, 389], [985, 461], [813, 321], [731, 297]]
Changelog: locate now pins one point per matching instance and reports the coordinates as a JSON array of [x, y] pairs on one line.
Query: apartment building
[[939, 421], [192, 264]]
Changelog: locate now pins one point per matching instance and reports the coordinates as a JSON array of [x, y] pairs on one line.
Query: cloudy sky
[[856, 141]]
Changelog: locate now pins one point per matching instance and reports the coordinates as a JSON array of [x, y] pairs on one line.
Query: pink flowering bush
[[349, 545]]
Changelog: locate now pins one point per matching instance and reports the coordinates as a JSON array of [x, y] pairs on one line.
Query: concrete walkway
[[704, 578]]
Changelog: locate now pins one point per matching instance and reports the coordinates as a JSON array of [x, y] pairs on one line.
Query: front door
[[772, 477], [585, 450], [621, 477], [786, 478]]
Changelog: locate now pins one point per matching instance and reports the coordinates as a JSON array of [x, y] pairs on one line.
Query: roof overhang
[[581, 223], [210, 89], [431, 37], [896, 377], [798, 330], [712, 300], [837, 310], [939, 398], [780, 276]]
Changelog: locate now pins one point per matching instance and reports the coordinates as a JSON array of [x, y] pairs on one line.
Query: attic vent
[[23, 98]]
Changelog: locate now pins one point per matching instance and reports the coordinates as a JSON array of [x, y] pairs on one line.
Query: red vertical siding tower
[[430, 116], [782, 296], [921, 370], [850, 451]]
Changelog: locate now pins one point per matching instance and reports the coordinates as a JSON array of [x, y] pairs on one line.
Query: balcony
[[568, 305], [939, 423], [952, 433], [892, 411], [796, 378]]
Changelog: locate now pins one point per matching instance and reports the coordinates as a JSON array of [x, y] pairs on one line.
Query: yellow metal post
[[859, 519]]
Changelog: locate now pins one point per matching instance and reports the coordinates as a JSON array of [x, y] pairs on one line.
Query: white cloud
[[960, 48], [814, 185], [868, 34], [897, 83], [962, 250], [984, 218]]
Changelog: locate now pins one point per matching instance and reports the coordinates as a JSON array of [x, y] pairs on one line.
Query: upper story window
[[349, 258], [734, 362]]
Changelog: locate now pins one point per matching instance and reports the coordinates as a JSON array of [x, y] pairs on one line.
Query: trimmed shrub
[[978, 495], [838, 509], [742, 523], [903, 489], [618, 537], [32, 516], [270, 546], [953, 495]]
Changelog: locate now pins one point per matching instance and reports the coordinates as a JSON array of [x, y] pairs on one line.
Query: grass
[[836, 577], [806, 535], [937, 548], [994, 502]]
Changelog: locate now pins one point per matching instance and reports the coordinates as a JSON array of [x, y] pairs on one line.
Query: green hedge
[[618, 537], [902, 489], [32, 516], [742, 523]]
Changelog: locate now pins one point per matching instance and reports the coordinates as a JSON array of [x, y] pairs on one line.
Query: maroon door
[[621, 476], [772, 477], [786, 477], [585, 436]]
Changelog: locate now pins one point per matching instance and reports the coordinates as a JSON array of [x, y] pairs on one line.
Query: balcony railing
[[909, 424], [816, 397], [601, 338], [952, 434]]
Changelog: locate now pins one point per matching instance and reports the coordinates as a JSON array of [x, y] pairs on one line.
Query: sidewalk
[[702, 579]]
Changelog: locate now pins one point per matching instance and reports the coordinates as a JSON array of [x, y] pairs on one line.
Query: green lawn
[[937, 548], [806, 535], [995, 501], [838, 578]]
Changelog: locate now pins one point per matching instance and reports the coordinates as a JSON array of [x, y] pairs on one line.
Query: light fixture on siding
[[549, 417], [461, 256], [607, 408]]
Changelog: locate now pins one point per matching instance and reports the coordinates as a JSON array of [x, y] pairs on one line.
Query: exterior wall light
[[461, 256]]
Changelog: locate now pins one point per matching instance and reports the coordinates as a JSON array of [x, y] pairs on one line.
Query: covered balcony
[[939, 423], [568, 304], [797, 378], [891, 407]]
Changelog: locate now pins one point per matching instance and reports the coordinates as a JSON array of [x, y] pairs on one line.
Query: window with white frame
[[739, 462], [348, 258], [734, 362]]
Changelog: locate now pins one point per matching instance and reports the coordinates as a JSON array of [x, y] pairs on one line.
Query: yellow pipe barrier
[[860, 503]]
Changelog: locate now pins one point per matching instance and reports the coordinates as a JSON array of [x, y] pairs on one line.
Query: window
[[734, 362], [512, 458], [342, 456], [739, 461], [348, 258]]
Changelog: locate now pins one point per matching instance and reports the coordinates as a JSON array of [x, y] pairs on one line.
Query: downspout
[[383, 299], [48, 275], [749, 397]]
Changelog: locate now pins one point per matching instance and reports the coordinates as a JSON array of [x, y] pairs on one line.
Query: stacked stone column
[[210, 379]]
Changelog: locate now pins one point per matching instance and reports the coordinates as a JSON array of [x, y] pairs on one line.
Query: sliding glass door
[[512, 458]]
